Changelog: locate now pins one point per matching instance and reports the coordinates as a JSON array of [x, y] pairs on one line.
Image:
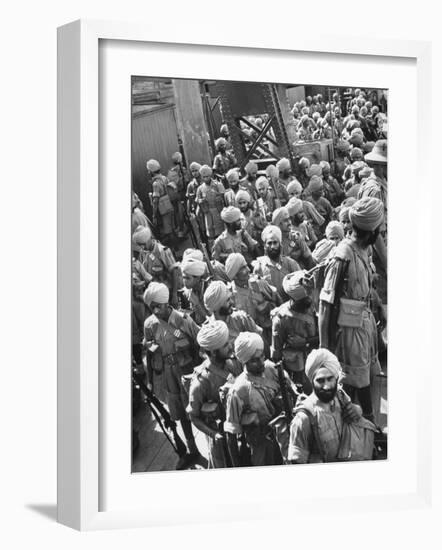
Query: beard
[[273, 254], [225, 310], [326, 395]]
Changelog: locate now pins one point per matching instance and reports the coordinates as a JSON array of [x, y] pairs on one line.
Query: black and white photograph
[[259, 273]]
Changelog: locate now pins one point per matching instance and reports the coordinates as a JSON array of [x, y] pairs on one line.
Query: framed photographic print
[[229, 254]]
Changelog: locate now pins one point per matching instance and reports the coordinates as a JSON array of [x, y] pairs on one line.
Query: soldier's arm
[[232, 425], [277, 338], [196, 400], [300, 439], [327, 299]]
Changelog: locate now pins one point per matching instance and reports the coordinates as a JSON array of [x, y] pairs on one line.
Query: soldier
[[232, 178], [209, 381], [332, 190], [253, 295], [273, 266], [218, 300], [210, 199], [170, 341], [162, 209], [194, 286], [233, 238], [249, 181], [348, 281], [294, 189], [294, 328], [277, 185], [293, 243], [138, 216], [300, 224], [224, 160], [180, 177], [192, 188], [285, 171], [267, 202], [341, 161], [252, 402], [157, 260], [303, 177], [252, 219], [314, 193]]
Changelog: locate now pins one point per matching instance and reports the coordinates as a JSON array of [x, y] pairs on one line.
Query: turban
[[230, 214], [194, 254], [294, 206], [352, 124], [142, 235], [293, 287], [246, 345], [271, 232], [224, 129], [279, 214], [304, 162], [153, 165], [205, 170], [315, 170], [378, 153], [243, 195], [232, 175], [262, 181], [367, 213], [177, 157], [294, 187], [322, 250], [195, 166], [353, 191], [368, 147], [312, 214], [334, 229], [343, 146], [220, 141], [356, 140], [283, 164], [190, 266], [356, 153], [272, 171], [213, 335], [315, 184], [156, 292], [216, 296], [357, 131], [305, 111], [324, 164], [365, 172], [370, 188], [234, 262], [343, 213], [321, 357], [251, 167]]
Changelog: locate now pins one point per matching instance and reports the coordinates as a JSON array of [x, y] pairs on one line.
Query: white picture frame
[[80, 445]]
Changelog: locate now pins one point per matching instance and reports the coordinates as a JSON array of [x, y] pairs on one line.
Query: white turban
[[156, 292], [246, 345], [216, 296], [213, 335], [271, 232], [334, 229], [315, 184], [232, 175], [294, 187], [243, 195], [193, 253], [315, 170], [279, 214], [153, 165], [293, 287], [196, 268], [262, 180], [272, 171], [141, 235], [251, 167], [177, 157], [195, 166], [206, 170], [304, 162], [235, 261], [283, 164], [367, 213], [230, 214], [321, 357], [324, 164], [322, 250], [220, 141], [294, 206]]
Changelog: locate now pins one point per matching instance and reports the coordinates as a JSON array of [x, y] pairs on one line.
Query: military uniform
[[192, 300], [294, 334], [159, 190], [207, 381], [251, 404], [253, 222], [297, 249], [159, 263], [175, 356], [210, 199], [274, 272], [223, 162], [227, 243]]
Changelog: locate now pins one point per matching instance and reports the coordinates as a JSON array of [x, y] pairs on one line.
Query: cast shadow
[[48, 511]]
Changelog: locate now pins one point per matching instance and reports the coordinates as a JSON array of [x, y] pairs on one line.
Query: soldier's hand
[[351, 413], [218, 436]]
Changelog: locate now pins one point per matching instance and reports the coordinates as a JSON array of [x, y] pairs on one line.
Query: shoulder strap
[[317, 446]]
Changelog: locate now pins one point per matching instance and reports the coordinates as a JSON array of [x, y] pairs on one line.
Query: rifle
[[161, 415], [288, 413], [197, 241]]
